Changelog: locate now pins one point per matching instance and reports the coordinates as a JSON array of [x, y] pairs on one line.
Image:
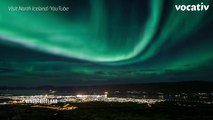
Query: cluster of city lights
[[54, 99]]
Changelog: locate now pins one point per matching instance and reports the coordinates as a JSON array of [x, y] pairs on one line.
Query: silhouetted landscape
[[167, 87], [110, 111], [177, 101]]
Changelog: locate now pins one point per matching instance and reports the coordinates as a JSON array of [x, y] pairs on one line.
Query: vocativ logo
[[197, 7]]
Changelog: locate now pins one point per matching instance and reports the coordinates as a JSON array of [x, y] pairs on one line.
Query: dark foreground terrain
[[111, 111]]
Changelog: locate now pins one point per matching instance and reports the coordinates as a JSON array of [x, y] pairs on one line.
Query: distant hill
[[170, 87]]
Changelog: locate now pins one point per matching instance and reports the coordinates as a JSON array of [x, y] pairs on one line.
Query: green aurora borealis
[[104, 42]]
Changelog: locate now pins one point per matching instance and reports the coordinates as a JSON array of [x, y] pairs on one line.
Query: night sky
[[105, 42]]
